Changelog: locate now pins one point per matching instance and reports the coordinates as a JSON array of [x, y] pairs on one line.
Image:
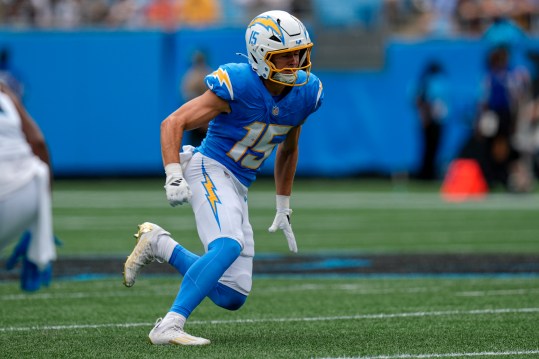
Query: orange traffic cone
[[464, 181]]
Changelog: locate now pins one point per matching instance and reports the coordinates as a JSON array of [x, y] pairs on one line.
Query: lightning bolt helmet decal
[[268, 23]]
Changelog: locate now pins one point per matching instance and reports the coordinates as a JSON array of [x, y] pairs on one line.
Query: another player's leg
[[199, 280], [18, 211]]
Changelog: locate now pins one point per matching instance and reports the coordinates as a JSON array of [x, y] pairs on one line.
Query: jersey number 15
[[258, 140]]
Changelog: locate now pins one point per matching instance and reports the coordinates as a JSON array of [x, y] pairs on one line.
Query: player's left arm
[[286, 161]]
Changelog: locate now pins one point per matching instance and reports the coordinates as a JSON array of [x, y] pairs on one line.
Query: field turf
[[334, 314]]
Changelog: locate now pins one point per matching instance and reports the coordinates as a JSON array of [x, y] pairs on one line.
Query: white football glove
[[178, 191], [282, 221]]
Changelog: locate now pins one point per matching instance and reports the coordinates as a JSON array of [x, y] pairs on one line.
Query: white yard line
[[487, 293], [445, 355], [283, 320]]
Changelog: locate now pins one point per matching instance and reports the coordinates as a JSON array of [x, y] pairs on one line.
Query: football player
[[251, 108], [25, 198]]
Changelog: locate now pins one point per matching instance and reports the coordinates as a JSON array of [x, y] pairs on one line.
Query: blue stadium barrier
[[100, 96]]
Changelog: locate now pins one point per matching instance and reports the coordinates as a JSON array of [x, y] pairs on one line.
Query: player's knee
[[233, 301], [227, 298], [236, 298], [237, 302]]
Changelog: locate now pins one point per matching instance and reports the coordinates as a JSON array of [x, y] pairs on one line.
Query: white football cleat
[[169, 332], [142, 253]]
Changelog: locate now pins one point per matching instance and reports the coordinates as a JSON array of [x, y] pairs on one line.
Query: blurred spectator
[[163, 13], [468, 17], [398, 14], [18, 13], [533, 133], [524, 12], [68, 13], [200, 12], [475, 16], [127, 13], [504, 31], [504, 88], [411, 17], [432, 104], [431, 17], [442, 21], [192, 85], [96, 12], [43, 14], [526, 138]]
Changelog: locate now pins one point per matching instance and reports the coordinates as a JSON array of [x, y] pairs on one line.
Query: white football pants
[[219, 202], [29, 208]]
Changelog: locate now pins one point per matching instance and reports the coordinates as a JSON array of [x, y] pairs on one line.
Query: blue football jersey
[[244, 138]]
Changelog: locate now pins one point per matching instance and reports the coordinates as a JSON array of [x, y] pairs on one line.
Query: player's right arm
[[193, 114]]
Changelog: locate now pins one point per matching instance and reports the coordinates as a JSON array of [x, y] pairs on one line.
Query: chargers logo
[[269, 24], [211, 194], [221, 75]]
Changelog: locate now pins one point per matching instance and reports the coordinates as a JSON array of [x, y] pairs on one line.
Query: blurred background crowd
[[414, 17]]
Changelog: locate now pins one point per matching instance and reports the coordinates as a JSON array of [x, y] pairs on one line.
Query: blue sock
[[201, 278], [182, 259]]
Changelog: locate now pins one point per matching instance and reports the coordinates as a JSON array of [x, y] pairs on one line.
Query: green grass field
[[370, 316]]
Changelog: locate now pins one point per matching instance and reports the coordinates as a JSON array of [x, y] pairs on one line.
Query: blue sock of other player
[[201, 277]]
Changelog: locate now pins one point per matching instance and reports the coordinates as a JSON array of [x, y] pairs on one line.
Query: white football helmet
[[274, 32]]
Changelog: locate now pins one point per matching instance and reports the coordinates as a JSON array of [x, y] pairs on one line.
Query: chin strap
[[286, 78]]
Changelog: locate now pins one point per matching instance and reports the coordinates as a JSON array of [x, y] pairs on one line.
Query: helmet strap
[[286, 78]]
